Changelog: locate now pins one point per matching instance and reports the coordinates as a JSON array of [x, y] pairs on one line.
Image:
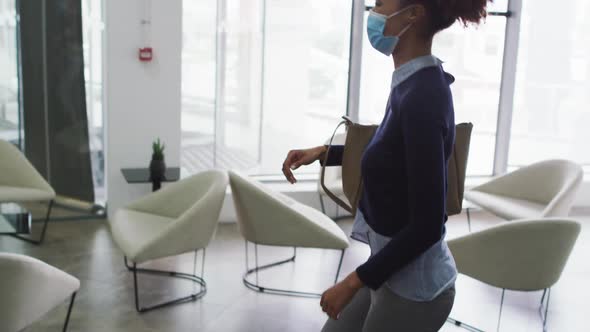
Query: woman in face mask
[[407, 284]]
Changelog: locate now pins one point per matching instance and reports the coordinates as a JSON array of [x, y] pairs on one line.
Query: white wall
[[142, 99]]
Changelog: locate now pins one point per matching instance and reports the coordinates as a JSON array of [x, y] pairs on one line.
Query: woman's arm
[[334, 155], [423, 131], [297, 158]]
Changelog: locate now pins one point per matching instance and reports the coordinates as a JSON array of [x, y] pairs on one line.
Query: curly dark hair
[[443, 13]]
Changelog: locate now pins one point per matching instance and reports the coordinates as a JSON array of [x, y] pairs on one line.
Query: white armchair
[[181, 217], [29, 289], [274, 219], [544, 189], [20, 182], [525, 255]]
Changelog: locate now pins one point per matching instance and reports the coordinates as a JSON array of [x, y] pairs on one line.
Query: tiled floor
[[105, 302]]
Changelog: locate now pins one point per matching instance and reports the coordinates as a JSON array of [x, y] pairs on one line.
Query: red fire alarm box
[[146, 54]]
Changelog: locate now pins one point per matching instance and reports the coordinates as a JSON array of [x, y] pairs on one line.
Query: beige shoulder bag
[[357, 138]]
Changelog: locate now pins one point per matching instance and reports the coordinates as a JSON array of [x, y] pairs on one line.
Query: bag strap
[[330, 194]]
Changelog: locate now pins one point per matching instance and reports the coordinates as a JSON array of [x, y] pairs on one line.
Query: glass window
[[9, 95], [240, 105], [551, 112], [496, 6], [93, 27], [278, 80], [198, 84], [10, 126], [306, 76], [500, 6], [221, 82], [474, 56]]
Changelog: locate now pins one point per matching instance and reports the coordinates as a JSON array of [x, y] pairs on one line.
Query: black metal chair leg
[[42, 237], [171, 274], [543, 311], [501, 305], [468, 210], [339, 267], [472, 328], [262, 289], [69, 312], [541, 314], [322, 203]]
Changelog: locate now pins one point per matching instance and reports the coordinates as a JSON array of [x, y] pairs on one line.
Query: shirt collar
[[409, 68]]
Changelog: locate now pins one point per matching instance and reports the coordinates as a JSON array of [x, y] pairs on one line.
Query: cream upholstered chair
[[333, 178], [274, 219], [544, 189], [29, 289], [181, 217], [524, 255], [20, 182]]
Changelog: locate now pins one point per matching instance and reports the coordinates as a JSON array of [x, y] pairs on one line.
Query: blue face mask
[[375, 28]]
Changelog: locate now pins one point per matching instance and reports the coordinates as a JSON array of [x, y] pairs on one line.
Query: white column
[[356, 58], [504, 127], [142, 100]]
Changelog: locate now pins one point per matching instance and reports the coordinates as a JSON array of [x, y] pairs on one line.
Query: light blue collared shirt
[[432, 272], [411, 67]]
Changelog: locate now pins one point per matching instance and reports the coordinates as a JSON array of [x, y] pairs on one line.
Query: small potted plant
[[157, 165]]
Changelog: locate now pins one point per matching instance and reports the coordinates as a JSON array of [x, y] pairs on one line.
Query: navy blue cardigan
[[404, 171]]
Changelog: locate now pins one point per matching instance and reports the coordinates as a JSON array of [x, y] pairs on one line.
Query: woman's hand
[[296, 158], [338, 296]]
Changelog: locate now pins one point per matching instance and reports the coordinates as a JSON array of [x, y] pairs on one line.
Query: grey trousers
[[384, 311]]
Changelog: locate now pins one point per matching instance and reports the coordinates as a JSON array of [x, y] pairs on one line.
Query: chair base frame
[[170, 274], [275, 291], [73, 298], [42, 236], [463, 325], [543, 309]]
